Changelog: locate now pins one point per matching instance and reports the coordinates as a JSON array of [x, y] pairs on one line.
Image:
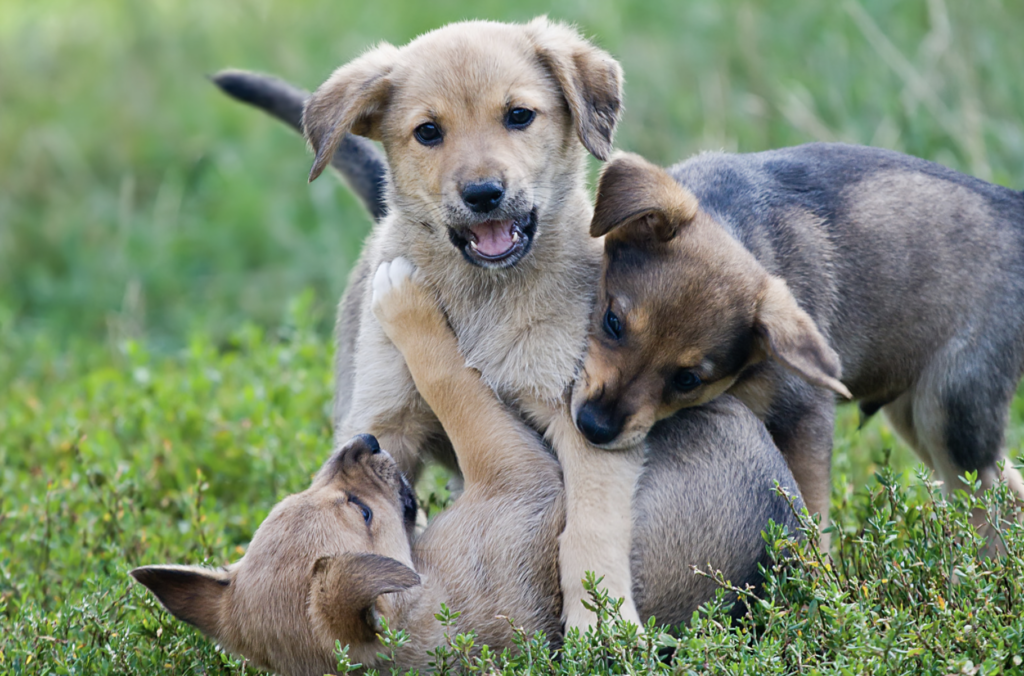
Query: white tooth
[[515, 237], [472, 245]]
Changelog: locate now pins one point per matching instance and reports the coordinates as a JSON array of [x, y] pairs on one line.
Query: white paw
[[390, 277]]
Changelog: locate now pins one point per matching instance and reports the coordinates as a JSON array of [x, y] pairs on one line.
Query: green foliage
[[909, 592], [112, 459], [127, 458]]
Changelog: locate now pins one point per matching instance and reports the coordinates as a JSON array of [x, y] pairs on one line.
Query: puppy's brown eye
[[519, 118], [612, 325], [685, 380], [429, 134]]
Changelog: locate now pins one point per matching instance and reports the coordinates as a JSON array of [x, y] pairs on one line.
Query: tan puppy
[[754, 274], [328, 562], [485, 127]]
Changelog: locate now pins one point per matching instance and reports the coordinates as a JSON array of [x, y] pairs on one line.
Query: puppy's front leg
[[493, 447], [599, 489], [802, 422]]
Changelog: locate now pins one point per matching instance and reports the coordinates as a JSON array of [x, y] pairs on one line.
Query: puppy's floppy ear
[[788, 334], [352, 100], [344, 589], [590, 79], [640, 199], [192, 594]]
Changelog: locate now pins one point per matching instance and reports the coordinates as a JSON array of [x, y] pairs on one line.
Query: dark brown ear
[[345, 588], [641, 199], [352, 100], [789, 335], [192, 594], [591, 81]]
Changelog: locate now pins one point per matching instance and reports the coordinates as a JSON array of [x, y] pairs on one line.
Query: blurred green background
[[137, 201]]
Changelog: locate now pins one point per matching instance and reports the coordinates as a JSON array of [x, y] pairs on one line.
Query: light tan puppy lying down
[[328, 562]]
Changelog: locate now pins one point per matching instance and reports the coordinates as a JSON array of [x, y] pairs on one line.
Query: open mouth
[[409, 505], [496, 244]]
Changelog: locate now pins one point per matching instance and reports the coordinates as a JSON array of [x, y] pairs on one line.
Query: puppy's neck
[[531, 319]]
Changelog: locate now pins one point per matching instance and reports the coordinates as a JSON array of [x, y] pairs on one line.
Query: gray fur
[[358, 159], [914, 272], [364, 169], [704, 498]]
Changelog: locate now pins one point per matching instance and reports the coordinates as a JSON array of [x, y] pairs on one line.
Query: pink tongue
[[493, 238]]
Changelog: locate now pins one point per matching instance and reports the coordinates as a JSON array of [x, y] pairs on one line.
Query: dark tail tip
[[266, 92], [357, 159]]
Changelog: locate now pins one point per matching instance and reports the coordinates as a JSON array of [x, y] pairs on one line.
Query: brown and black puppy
[[758, 274], [330, 561]]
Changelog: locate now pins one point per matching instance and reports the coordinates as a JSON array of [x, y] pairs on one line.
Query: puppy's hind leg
[[900, 414], [960, 408]]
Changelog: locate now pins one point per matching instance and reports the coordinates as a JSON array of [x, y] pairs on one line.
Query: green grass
[[122, 458], [154, 405]]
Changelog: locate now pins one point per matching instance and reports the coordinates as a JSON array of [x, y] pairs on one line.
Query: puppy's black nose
[[597, 424], [370, 441], [356, 448], [483, 197]]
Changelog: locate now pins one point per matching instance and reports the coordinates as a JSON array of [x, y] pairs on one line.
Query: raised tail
[[358, 160]]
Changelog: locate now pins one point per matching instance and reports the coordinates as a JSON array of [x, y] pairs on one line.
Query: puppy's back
[[891, 255]]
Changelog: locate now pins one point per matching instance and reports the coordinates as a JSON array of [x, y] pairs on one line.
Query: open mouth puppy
[[486, 127], [756, 274], [329, 562]]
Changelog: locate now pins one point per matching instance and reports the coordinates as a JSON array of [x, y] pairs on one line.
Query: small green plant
[[345, 664]]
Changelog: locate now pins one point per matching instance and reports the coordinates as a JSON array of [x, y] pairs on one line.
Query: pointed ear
[[788, 334], [345, 588], [590, 79], [640, 199], [352, 100], [192, 594]]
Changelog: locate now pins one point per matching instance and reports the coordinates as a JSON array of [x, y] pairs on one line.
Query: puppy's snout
[[598, 424], [483, 197], [359, 446]]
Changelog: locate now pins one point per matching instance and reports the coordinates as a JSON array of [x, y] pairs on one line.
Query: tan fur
[[315, 573], [523, 327], [323, 529], [790, 336], [634, 199]]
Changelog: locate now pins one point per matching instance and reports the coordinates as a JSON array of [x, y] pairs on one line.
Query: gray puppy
[[758, 274]]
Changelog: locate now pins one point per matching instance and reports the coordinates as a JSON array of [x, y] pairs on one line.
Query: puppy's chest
[[527, 360]]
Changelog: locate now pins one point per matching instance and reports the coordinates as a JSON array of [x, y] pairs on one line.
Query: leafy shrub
[[112, 460]]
